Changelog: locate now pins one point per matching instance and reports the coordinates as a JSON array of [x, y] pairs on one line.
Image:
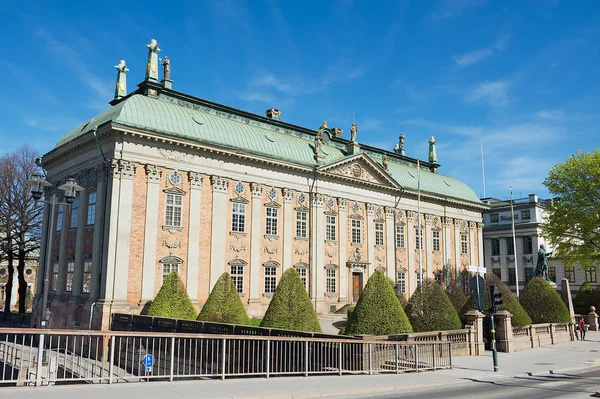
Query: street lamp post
[[70, 189]]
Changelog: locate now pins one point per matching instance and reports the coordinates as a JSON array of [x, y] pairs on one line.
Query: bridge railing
[[40, 357]]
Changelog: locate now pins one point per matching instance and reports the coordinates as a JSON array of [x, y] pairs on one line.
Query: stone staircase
[[344, 309]]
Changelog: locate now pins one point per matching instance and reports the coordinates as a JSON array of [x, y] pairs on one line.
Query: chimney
[[273, 113], [533, 198]]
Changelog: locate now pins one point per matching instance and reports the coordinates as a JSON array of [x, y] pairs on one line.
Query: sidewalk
[[558, 358]]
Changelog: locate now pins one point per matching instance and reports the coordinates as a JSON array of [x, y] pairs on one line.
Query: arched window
[[170, 264], [237, 267]]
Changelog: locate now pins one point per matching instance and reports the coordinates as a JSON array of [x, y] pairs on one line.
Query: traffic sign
[[477, 269], [478, 289], [148, 362]]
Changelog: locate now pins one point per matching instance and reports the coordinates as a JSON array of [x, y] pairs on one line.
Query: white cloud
[[493, 92], [476, 56], [551, 115]]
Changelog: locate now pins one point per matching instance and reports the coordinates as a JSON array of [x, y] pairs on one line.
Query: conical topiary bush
[[456, 295], [438, 313], [543, 303], [510, 302], [224, 304], [378, 311], [290, 307], [583, 299], [172, 300]]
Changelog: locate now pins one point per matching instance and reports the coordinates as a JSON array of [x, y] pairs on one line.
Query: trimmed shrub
[[438, 313], [543, 303], [224, 304], [290, 307], [172, 300], [509, 301], [456, 295], [378, 311], [583, 299]]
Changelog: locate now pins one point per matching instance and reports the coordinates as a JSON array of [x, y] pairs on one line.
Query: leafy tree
[[583, 299], [378, 311], [510, 302], [573, 223], [224, 304], [290, 307], [172, 300], [20, 219], [456, 295], [438, 313], [543, 303]]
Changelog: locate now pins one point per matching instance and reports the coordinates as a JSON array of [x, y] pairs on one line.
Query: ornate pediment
[[360, 169]]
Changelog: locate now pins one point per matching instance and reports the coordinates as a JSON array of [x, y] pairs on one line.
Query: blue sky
[[523, 78]]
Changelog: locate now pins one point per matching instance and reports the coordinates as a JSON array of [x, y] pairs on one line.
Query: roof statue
[[384, 161], [353, 131], [318, 142], [337, 132], [399, 148], [432, 154], [323, 125], [121, 86], [152, 64], [166, 63]]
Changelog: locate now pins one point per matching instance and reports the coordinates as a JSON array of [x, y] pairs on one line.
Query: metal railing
[[40, 357]]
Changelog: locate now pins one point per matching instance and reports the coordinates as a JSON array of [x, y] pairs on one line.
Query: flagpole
[[514, 243], [420, 237], [482, 171]]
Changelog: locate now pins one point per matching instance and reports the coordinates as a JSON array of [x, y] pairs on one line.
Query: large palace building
[[176, 183]]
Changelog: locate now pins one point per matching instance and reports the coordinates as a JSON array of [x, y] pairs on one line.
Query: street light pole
[[43, 316]]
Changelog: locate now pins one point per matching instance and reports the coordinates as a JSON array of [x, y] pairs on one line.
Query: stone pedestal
[[504, 331], [474, 318], [592, 319], [352, 148]]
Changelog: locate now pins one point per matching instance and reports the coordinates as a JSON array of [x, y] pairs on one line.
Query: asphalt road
[[579, 384]]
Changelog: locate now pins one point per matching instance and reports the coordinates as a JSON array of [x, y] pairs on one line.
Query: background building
[[31, 267], [177, 183], [500, 254]]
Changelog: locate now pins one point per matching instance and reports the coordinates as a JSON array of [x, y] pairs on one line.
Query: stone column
[[428, 246], [504, 331], [81, 221], [446, 242], [390, 244], [153, 174], [370, 227], [472, 244], [288, 228], [101, 176], [474, 318], [343, 241], [62, 249], [457, 249], [195, 179], [480, 244], [219, 228], [410, 252], [255, 234], [319, 246]]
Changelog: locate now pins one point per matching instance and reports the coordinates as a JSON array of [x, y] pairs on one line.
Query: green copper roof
[[205, 125]]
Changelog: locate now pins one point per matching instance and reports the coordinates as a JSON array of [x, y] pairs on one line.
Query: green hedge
[[583, 299], [438, 313], [543, 303], [378, 311], [510, 302], [172, 300], [290, 307], [224, 304], [456, 295]]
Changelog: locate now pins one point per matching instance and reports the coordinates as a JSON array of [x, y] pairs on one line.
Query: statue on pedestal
[[152, 63], [541, 268], [353, 131], [166, 63]]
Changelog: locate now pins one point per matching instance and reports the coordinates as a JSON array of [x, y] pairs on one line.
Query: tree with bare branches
[[20, 218]]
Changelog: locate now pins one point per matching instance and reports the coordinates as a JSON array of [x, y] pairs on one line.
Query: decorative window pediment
[[171, 259], [271, 263], [237, 262], [272, 204], [239, 199], [331, 266], [301, 209], [301, 265], [356, 217], [174, 190]]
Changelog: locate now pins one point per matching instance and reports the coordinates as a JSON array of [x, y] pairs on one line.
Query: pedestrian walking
[[581, 326]]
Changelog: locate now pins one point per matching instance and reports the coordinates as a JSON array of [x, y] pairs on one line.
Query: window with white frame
[[302, 272], [331, 281], [301, 219], [87, 276], [356, 231], [270, 279], [420, 275], [330, 222], [401, 280], [271, 222], [570, 273], [169, 265], [69, 279], [74, 213], [54, 285], [399, 236], [379, 234], [418, 238], [59, 217], [464, 244], [436, 240], [238, 218], [237, 276], [91, 209], [590, 275], [173, 209], [465, 281]]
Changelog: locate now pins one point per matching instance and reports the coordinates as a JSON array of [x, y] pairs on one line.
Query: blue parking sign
[[148, 361]]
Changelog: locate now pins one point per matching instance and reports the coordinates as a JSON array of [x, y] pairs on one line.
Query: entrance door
[[356, 286]]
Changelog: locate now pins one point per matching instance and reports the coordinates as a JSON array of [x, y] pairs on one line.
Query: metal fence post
[[223, 354], [268, 356], [172, 358], [416, 357], [449, 355], [370, 358], [306, 359], [340, 357], [40, 354], [434, 353], [111, 359], [397, 355]]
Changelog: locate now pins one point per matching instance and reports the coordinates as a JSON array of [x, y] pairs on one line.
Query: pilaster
[[370, 226], [390, 245], [219, 229], [288, 228], [62, 249], [194, 234], [81, 220], [410, 251], [345, 293], [256, 204], [101, 178], [472, 243], [428, 247], [153, 175], [480, 244], [457, 245], [446, 239], [318, 266]]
